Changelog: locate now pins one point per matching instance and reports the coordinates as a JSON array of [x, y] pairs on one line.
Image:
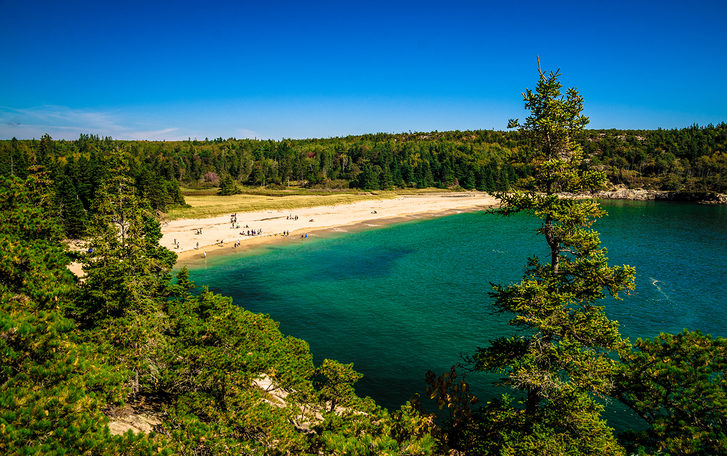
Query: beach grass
[[202, 203]]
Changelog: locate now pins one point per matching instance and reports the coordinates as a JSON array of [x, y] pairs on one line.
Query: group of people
[[244, 232], [252, 232]]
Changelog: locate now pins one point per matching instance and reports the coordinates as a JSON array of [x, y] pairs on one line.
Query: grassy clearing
[[206, 203]]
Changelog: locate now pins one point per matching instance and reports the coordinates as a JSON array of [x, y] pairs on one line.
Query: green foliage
[[690, 162], [503, 427], [53, 385], [238, 383], [369, 430], [228, 186], [127, 275], [54, 388], [70, 208], [561, 357], [33, 261], [219, 352], [335, 383], [678, 384]]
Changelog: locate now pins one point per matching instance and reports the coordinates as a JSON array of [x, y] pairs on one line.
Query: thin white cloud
[[62, 122], [244, 133], [165, 134]]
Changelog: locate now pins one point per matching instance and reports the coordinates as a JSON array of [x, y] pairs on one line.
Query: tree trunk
[[552, 243]]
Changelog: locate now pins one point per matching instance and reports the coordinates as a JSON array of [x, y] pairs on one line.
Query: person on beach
[[204, 254]]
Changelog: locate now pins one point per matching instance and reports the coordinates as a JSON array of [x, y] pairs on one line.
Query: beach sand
[[310, 221]]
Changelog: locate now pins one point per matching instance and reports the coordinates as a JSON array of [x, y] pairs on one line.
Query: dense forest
[[130, 342], [688, 160]]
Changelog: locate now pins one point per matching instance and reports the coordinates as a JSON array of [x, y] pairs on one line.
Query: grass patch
[[206, 203]]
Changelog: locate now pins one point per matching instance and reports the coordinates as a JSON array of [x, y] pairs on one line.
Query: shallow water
[[402, 299]]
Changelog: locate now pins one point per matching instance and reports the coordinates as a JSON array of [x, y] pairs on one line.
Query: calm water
[[399, 300]]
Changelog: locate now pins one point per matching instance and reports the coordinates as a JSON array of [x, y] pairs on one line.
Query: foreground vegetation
[[214, 379]]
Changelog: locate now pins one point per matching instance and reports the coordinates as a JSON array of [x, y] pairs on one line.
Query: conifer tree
[[127, 276], [71, 211], [560, 360], [228, 186]]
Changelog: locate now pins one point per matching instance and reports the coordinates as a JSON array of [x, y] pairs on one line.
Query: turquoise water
[[402, 299]]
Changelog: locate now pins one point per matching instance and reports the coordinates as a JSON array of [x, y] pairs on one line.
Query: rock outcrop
[[129, 419], [636, 194]]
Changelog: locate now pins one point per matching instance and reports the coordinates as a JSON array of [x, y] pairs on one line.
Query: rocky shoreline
[[623, 193]]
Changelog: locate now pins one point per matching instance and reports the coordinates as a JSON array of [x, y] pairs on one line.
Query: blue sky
[[279, 69]]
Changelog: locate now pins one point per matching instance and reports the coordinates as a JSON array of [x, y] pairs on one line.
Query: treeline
[[690, 159]]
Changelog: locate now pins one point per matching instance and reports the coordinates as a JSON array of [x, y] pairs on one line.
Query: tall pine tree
[[560, 360]]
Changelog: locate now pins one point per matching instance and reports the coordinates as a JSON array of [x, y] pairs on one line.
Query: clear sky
[[296, 69]]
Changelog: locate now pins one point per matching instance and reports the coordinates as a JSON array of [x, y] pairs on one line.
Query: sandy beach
[[194, 238]]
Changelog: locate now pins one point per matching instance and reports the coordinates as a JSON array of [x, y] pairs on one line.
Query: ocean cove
[[402, 299]]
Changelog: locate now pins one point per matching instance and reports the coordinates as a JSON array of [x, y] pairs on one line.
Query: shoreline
[[313, 221], [317, 221]]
